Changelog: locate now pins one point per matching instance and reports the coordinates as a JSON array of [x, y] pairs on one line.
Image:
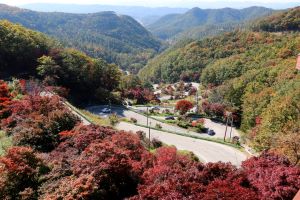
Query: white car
[[106, 110]]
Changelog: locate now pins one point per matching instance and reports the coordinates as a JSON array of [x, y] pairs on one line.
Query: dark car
[[211, 132], [170, 118]]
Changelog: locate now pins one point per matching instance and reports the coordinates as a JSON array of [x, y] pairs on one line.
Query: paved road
[[142, 120], [205, 150]]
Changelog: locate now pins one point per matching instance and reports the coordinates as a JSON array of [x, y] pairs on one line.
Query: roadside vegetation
[[77, 161]]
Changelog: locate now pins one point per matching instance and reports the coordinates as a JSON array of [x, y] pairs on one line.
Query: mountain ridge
[[169, 26], [116, 38]]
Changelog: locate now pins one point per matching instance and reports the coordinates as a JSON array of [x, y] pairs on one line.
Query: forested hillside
[[284, 21], [249, 73], [198, 20], [116, 38], [25, 53]]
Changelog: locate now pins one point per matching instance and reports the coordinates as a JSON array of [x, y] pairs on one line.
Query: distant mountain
[[145, 15], [196, 19], [238, 4], [116, 38]]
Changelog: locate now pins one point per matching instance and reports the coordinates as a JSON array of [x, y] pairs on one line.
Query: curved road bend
[[141, 119], [205, 150]]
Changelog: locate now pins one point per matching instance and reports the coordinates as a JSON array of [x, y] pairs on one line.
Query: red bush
[[99, 163], [213, 109], [5, 100], [183, 106], [36, 121], [225, 189], [141, 95], [272, 176], [20, 171]]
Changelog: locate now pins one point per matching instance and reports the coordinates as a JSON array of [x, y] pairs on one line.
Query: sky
[[153, 3]]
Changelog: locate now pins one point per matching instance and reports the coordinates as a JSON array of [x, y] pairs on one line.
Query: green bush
[[158, 126], [133, 120], [114, 119], [183, 124], [200, 128]]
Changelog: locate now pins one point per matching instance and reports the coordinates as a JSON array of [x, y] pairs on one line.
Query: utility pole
[[147, 114], [149, 138], [226, 129], [231, 125], [227, 115], [197, 102]]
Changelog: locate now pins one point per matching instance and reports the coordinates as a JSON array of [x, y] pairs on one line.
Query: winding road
[[206, 151]]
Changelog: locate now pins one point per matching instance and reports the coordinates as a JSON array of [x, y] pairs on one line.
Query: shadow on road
[[119, 110]]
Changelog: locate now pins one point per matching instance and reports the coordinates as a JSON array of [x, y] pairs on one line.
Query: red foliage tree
[[20, 172], [213, 109], [225, 189], [272, 176], [217, 109], [97, 162], [36, 121], [171, 176], [5, 100], [141, 95], [192, 91], [174, 176], [183, 106]]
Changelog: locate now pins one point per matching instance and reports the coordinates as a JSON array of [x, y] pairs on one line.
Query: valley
[[168, 103]]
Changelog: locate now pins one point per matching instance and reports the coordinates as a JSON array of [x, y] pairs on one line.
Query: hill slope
[[118, 39], [249, 73], [25, 53], [284, 21], [172, 25]]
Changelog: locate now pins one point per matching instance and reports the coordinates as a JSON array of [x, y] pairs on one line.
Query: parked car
[[211, 132], [155, 108], [106, 110], [170, 118]]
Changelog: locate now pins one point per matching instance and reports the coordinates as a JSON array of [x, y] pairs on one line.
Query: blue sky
[[157, 3]]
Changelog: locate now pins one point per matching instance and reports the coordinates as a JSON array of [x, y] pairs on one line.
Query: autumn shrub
[[20, 173], [133, 120], [158, 126], [272, 176], [141, 95], [94, 162], [183, 106], [36, 121], [177, 176], [113, 119], [5, 100], [156, 143], [183, 124], [97, 162], [199, 125], [192, 91]]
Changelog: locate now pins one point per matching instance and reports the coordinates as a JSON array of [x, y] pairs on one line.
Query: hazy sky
[[152, 3]]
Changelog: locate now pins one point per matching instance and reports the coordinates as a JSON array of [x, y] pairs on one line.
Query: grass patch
[[95, 119], [5, 142], [190, 155]]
